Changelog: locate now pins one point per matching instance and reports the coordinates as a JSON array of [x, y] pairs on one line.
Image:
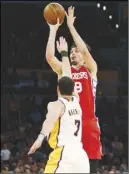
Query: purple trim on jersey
[[59, 160], [90, 75], [94, 96]]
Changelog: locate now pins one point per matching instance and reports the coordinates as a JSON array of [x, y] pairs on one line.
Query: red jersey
[[85, 86]]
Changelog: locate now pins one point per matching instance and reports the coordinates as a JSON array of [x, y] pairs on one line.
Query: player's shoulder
[[54, 104], [93, 76], [84, 67], [76, 97]]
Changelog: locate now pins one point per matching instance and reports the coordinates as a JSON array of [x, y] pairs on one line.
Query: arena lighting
[[104, 8], [110, 16], [117, 26], [98, 5]]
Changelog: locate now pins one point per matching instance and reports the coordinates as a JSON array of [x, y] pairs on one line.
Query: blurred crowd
[[22, 117], [24, 98], [20, 128]]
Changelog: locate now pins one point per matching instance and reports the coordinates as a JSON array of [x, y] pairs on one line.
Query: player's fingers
[[57, 44], [69, 10], [64, 40], [49, 24], [33, 149], [61, 39], [66, 14], [30, 151], [73, 10], [58, 21]]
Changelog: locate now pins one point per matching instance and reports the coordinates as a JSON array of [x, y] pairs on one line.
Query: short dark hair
[[66, 85], [74, 46]]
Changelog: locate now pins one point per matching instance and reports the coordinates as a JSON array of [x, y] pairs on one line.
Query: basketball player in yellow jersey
[[63, 126]]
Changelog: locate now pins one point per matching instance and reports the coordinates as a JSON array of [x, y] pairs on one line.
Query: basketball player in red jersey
[[84, 73]]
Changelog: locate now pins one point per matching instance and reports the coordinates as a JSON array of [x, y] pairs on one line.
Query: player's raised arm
[[62, 48], [90, 63], [50, 49], [54, 112]]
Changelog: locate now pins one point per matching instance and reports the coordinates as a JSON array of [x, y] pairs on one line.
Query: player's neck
[[78, 65], [69, 98]]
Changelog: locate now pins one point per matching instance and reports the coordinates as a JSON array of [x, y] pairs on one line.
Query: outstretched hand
[[35, 146], [70, 16], [56, 26], [62, 45]]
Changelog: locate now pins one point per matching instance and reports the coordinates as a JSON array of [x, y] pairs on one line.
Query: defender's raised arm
[[50, 49]]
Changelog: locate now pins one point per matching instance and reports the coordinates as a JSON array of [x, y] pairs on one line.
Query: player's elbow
[[93, 70], [90, 62], [84, 49], [46, 128], [48, 56], [95, 67]]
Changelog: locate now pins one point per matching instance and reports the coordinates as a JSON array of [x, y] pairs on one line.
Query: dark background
[[28, 82]]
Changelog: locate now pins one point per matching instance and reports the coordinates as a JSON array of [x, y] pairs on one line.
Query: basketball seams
[[53, 11]]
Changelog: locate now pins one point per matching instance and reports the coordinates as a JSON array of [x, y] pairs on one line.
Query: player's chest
[[81, 76], [82, 81]]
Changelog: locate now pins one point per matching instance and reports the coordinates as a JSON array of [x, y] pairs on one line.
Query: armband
[[41, 136], [64, 53]]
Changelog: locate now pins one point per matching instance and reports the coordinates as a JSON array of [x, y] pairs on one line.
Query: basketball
[[52, 12]]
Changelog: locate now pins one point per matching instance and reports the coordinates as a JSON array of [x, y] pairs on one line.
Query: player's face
[[75, 56]]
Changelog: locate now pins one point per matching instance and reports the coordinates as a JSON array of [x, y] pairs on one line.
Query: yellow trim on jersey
[[53, 138], [54, 160]]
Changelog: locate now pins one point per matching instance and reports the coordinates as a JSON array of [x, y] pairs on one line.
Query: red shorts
[[91, 139]]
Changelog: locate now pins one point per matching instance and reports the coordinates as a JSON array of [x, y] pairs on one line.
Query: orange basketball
[[52, 12]]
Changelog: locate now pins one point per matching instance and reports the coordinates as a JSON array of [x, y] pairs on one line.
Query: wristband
[[42, 133], [64, 53], [41, 137]]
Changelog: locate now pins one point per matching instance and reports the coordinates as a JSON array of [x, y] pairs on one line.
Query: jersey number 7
[[77, 123]]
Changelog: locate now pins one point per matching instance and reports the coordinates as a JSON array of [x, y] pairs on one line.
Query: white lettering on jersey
[[78, 87], [70, 123], [79, 75]]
